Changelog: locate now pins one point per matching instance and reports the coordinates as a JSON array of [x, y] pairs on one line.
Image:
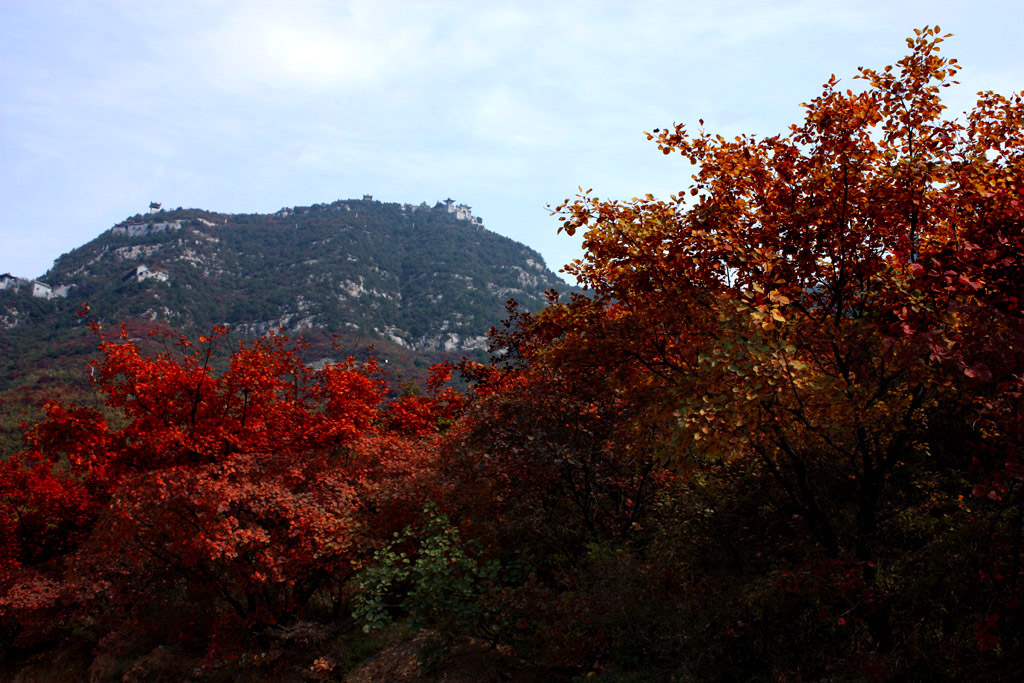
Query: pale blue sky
[[505, 106]]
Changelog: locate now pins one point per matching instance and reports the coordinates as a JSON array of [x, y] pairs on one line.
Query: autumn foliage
[[245, 492], [778, 436], [832, 313]]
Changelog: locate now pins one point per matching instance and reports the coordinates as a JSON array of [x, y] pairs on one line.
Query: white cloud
[[279, 47]]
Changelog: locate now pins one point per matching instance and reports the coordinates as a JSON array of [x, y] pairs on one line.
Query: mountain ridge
[[421, 276], [419, 280]]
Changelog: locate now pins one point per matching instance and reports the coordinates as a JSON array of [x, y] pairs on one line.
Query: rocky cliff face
[[424, 278]]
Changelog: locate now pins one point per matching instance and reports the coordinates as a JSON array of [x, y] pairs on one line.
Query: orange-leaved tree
[[836, 307], [547, 451]]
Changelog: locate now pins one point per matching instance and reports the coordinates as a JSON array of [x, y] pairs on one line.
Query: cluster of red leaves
[[248, 490], [419, 415]]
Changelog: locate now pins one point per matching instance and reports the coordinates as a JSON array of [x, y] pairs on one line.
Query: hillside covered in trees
[[778, 437], [421, 278]]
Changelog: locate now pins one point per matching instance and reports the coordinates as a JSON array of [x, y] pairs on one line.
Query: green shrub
[[444, 584]]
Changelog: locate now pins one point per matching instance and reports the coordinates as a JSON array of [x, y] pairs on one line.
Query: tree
[[547, 452], [218, 500], [836, 307]]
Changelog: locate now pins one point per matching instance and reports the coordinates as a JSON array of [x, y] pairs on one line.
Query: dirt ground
[[398, 656], [468, 661]]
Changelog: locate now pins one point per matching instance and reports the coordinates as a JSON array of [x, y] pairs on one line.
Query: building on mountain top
[[142, 272], [38, 289]]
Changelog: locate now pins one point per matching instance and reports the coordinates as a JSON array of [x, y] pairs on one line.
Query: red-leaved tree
[[212, 498]]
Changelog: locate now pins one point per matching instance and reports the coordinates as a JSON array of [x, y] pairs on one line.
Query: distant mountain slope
[[417, 275], [426, 279]]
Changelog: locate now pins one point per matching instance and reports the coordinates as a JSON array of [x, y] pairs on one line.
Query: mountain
[[419, 279]]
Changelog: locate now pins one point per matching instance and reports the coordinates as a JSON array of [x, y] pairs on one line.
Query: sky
[[509, 107]]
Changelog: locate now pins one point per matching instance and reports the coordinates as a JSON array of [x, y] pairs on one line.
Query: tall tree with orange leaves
[[836, 307]]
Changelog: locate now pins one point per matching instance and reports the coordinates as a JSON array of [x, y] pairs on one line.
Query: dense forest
[[777, 437]]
